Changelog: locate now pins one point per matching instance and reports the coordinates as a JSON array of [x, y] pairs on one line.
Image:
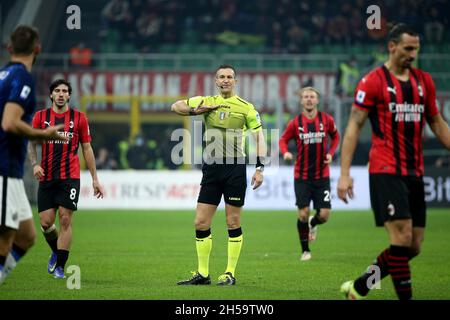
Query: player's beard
[[309, 107], [408, 64], [59, 105]]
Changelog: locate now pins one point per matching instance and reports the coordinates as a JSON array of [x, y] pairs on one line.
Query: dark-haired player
[[397, 99], [17, 103], [310, 130], [59, 172]]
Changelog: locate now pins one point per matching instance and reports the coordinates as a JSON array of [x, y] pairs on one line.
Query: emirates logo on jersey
[[312, 137], [64, 134], [407, 112]]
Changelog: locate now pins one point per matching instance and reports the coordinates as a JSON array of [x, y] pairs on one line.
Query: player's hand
[[38, 171], [344, 188], [51, 133], [257, 179], [98, 189], [288, 156], [200, 109], [329, 159]]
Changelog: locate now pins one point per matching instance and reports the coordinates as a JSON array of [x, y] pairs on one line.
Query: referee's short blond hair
[[300, 91]]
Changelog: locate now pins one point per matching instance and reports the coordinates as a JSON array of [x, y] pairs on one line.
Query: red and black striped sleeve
[[431, 108], [288, 134], [367, 91], [36, 122], [334, 134], [84, 132]]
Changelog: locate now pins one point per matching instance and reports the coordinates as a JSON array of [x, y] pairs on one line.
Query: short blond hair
[[300, 91]]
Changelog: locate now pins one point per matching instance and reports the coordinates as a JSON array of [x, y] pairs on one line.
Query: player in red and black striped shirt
[[310, 130], [59, 172], [397, 99]]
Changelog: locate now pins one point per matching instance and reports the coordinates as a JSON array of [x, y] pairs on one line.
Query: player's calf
[[320, 217]]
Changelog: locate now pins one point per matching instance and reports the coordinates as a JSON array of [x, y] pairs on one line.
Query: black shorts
[[318, 191], [397, 197], [227, 179], [55, 193]]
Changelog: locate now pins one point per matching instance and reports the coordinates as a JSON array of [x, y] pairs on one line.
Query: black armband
[[259, 162]]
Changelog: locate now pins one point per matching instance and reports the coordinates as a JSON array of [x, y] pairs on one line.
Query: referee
[[227, 117]]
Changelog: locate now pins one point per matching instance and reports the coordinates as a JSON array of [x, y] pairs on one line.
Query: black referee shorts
[[227, 179], [60, 192], [397, 197]]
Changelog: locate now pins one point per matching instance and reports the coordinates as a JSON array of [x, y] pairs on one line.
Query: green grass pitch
[[142, 254]]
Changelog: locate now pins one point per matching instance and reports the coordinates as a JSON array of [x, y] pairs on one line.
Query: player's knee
[[201, 224], [323, 215], [65, 221], [233, 219], [233, 223], [414, 252], [26, 240], [405, 238], [46, 223], [31, 239], [400, 232], [303, 214], [415, 249]]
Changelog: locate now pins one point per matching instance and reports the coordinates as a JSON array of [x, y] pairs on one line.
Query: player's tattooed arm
[[355, 123], [38, 171], [32, 153], [358, 116]]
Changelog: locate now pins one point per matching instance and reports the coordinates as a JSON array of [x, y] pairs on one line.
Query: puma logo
[[389, 89], [301, 129], [47, 123]]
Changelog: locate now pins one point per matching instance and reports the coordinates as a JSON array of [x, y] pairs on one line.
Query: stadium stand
[[268, 36]]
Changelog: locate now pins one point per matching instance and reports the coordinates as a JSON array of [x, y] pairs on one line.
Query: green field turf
[[142, 254]]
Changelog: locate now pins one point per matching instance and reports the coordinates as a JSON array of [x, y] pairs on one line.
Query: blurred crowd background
[[268, 26]]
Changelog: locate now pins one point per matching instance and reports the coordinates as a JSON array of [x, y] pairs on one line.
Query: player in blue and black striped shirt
[[17, 104]]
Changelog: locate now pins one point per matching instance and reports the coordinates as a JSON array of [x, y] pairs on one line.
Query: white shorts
[[14, 204]]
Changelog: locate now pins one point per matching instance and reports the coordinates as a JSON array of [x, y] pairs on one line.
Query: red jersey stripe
[[396, 112], [60, 159], [311, 137]]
